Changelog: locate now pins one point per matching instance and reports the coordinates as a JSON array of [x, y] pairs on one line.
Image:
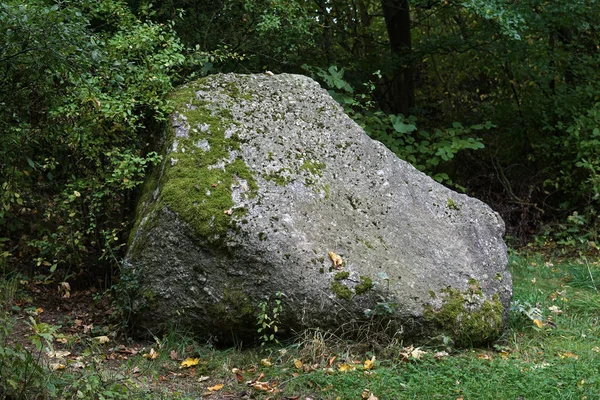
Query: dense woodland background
[[496, 98]]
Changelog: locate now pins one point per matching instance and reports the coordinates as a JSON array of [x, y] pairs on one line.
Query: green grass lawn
[[550, 351]]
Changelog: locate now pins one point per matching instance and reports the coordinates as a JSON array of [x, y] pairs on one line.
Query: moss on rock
[[467, 317], [364, 286], [203, 167], [341, 291]]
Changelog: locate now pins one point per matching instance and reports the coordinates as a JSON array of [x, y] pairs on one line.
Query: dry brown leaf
[[372, 397], [173, 355], [440, 354], [65, 289], [337, 260], [239, 377], [228, 212], [331, 360], [484, 356], [264, 386]]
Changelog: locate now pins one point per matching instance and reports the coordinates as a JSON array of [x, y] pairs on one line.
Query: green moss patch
[[341, 291], [364, 286], [197, 180], [467, 325], [340, 276]]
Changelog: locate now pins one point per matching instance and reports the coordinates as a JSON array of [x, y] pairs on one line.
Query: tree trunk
[[401, 94]]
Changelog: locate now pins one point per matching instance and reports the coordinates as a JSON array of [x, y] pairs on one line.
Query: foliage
[[424, 150], [268, 320], [83, 82]]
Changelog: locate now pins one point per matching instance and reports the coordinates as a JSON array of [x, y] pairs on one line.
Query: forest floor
[[56, 345]]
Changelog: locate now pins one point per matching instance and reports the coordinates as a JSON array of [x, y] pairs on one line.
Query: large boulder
[[268, 187]]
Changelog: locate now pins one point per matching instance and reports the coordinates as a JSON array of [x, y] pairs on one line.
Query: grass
[[551, 350]]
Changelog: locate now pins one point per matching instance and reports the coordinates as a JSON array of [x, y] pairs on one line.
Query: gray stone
[[263, 177]]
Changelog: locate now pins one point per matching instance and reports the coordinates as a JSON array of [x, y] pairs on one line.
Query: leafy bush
[[82, 83], [424, 150]]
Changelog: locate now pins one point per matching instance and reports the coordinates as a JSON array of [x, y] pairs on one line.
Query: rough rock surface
[[263, 177]]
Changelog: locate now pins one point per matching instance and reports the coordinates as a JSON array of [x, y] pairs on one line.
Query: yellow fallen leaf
[[568, 354], [337, 260], [39, 310], [538, 323], [297, 363], [216, 388], [369, 363], [152, 355], [266, 362], [189, 362], [102, 339], [346, 367], [483, 356], [56, 366]]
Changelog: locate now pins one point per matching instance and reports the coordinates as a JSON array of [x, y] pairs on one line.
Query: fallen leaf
[[372, 397], [337, 260], [228, 212], [346, 367], [555, 310], [189, 362], [417, 353], [440, 354], [78, 365], [59, 354], [39, 310], [102, 339], [369, 364], [298, 363], [216, 388], [538, 323], [214, 185], [173, 355], [331, 360], [264, 386], [65, 289], [135, 370], [152, 355], [266, 362], [239, 377], [203, 378], [596, 349], [484, 356], [568, 354], [56, 366]]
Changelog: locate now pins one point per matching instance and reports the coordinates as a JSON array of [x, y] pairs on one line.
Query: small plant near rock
[[268, 320]]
